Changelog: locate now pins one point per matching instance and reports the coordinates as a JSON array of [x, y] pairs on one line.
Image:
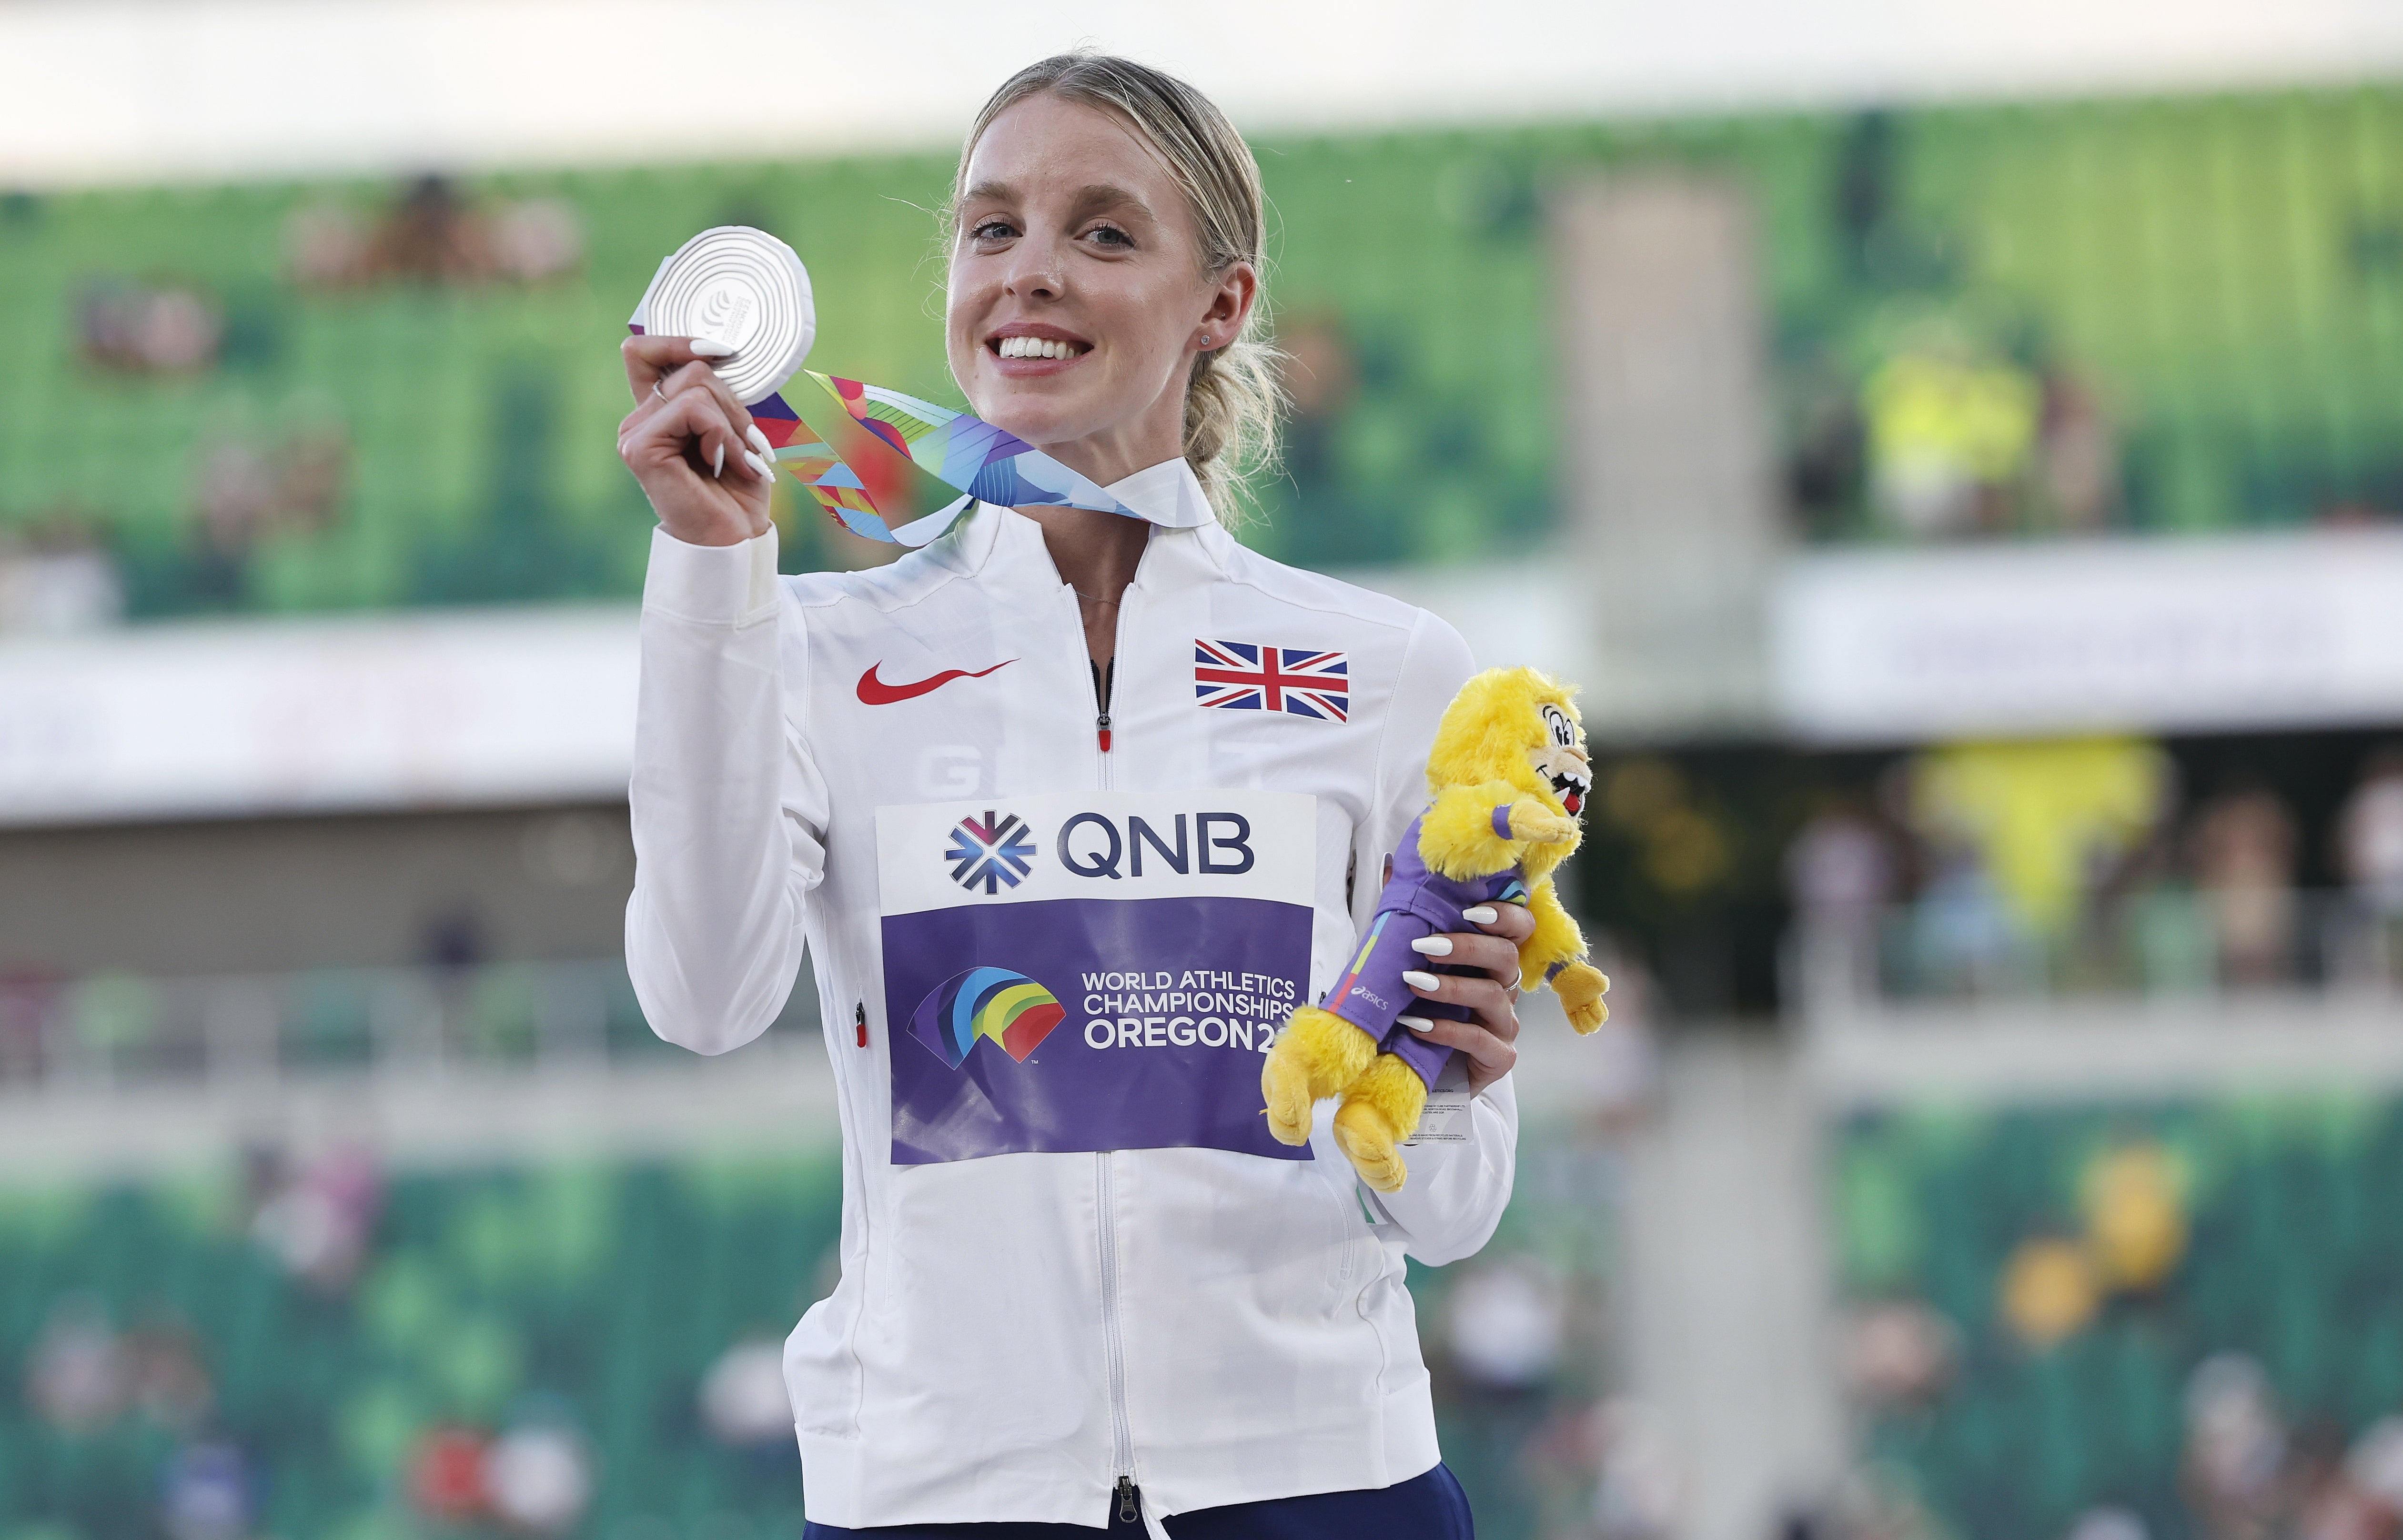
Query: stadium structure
[[1978, 528]]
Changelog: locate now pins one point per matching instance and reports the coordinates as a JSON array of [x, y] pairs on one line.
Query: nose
[[1579, 749], [1035, 273]]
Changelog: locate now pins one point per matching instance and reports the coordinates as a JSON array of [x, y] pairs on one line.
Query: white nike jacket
[[1051, 951]]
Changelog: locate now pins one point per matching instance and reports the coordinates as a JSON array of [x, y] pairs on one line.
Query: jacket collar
[[1168, 494]]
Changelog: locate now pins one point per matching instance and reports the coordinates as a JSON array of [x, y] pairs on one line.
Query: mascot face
[[1561, 760]]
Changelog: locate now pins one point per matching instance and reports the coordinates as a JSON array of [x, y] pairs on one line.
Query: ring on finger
[[656, 391]]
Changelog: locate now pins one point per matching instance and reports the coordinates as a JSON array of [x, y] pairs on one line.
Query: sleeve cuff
[[726, 584]]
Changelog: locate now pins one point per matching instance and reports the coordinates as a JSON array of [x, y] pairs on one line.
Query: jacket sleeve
[[1456, 1190], [729, 812]]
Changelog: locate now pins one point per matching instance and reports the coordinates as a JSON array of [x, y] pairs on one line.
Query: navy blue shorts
[[1424, 1507]]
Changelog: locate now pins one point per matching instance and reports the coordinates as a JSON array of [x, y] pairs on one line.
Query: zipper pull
[[861, 1017], [1102, 730], [1129, 1512]]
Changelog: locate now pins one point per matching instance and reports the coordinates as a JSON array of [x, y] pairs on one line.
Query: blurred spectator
[[139, 328], [2374, 1464], [1505, 1322], [1839, 871], [2235, 1447], [319, 1220], [742, 1396], [166, 1379], [2136, 1216], [1898, 1352], [2370, 835], [26, 1003], [2047, 820], [430, 235], [537, 1478], [2327, 1502], [2243, 844], [453, 941], [2107, 1524], [1879, 1500], [537, 238], [445, 1475], [2081, 459], [1963, 940], [1948, 431], [245, 490], [77, 1378], [208, 1493], [1826, 438], [324, 246], [1641, 1494], [58, 579], [2048, 1291]]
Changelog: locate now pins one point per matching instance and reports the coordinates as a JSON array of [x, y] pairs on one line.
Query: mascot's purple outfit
[[1416, 902]]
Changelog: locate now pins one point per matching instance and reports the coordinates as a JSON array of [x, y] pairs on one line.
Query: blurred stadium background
[[1962, 456]]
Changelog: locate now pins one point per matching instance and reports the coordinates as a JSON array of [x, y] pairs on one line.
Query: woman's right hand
[[705, 468]]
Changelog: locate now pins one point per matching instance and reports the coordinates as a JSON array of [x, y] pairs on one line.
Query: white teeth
[[1033, 347]]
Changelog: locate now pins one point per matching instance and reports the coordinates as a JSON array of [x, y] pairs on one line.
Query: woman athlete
[[1069, 810]]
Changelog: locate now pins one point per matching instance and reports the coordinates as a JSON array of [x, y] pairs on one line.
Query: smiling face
[[1561, 760], [1079, 299]]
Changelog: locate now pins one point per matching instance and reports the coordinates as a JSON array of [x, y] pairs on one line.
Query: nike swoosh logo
[[875, 692]]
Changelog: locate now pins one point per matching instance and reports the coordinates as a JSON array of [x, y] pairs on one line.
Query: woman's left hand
[[1491, 1040]]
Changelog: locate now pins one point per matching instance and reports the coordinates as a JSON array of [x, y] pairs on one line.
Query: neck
[[1096, 554]]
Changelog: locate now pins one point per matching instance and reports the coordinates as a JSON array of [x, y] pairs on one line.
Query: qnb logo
[[995, 852], [1090, 846]]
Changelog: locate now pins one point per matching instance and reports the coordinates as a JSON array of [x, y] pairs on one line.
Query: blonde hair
[[1232, 398]]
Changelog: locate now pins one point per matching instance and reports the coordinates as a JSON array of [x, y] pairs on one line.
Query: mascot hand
[[1581, 987], [1531, 820]]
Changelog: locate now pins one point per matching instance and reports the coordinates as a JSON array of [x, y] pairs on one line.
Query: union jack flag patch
[[1253, 676]]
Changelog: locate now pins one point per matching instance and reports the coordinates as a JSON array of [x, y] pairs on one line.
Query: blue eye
[[1110, 235], [991, 230]]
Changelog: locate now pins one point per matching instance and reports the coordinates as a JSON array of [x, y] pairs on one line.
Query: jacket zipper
[[1104, 1162], [1121, 1430]]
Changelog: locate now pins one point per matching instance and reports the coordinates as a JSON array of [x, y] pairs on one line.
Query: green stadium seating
[[2226, 271], [2294, 1256]]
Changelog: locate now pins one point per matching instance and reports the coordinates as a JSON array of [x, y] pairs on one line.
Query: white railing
[[117, 1029], [2162, 944]]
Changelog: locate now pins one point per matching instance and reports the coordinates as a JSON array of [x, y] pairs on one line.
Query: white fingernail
[[718, 468], [1416, 1023], [1421, 980], [1483, 914], [758, 439], [1433, 946], [759, 467], [710, 347]]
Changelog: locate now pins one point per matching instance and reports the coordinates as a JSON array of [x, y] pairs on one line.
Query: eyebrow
[[1093, 195]]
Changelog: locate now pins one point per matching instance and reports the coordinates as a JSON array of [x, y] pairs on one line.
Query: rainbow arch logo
[[1010, 1008]]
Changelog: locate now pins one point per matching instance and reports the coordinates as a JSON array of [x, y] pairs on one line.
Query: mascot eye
[[1556, 723]]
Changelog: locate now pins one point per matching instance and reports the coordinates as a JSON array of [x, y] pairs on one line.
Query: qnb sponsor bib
[[1091, 971]]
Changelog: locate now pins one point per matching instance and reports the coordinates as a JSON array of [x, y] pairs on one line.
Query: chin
[[1027, 411]]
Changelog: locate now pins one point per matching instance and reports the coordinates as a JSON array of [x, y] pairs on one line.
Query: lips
[[1035, 343]]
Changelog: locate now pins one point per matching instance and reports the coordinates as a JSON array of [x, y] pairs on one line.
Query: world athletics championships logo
[[996, 852], [1010, 1008]]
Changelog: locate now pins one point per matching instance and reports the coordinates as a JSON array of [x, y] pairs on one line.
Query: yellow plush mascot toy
[[1510, 774]]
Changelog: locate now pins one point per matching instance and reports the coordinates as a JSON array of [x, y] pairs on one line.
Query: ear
[[1231, 300]]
